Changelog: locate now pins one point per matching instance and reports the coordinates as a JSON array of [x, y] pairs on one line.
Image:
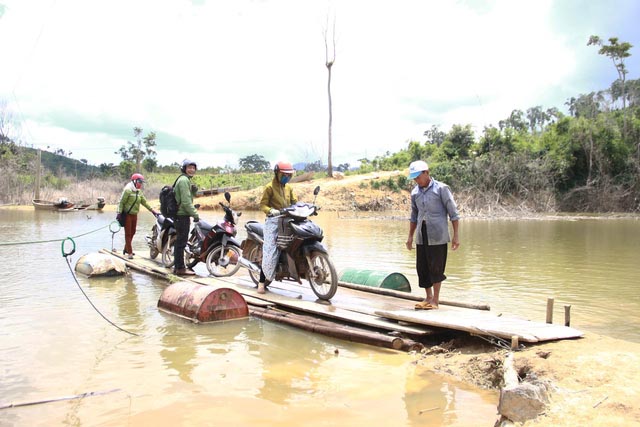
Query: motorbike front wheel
[[223, 262], [190, 259], [322, 276], [167, 252], [153, 251], [255, 256]]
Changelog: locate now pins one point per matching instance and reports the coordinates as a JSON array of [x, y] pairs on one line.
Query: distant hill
[[71, 167]]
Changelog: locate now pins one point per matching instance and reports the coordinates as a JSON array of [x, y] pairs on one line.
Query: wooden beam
[[335, 330], [409, 296]]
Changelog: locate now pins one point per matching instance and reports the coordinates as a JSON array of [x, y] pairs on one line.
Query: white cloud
[[248, 77]]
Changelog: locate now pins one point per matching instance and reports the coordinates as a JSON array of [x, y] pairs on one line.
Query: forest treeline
[[587, 161]]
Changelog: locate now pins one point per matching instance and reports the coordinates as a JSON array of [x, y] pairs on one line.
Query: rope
[[62, 240], [66, 257], [497, 341]]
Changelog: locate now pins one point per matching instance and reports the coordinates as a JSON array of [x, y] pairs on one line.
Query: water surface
[[250, 371]]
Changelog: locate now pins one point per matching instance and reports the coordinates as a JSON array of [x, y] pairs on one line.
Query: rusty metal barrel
[[200, 303]]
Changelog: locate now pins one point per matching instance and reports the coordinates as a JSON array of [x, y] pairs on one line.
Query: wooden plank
[[483, 323]]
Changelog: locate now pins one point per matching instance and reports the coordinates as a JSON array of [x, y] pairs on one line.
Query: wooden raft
[[363, 307], [483, 323]]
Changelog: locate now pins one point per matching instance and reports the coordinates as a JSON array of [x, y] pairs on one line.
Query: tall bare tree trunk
[[329, 61], [38, 169]]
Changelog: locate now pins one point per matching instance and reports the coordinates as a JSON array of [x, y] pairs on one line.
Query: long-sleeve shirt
[[433, 204], [184, 197], [277, 196], [132, 198]]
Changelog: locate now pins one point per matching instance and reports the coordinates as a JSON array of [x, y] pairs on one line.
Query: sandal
[[424, 305]]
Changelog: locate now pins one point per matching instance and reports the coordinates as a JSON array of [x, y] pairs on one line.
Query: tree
[[537, 118], [459, 141], [617, 52], [435, 135], [515, 121], [8, 124], [150, 164], [141, 149], [254, 163], [587, 106], [330, 59], [343, 167], [314, 166]]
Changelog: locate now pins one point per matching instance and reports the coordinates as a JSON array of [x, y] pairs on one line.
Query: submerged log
[[335, 330]]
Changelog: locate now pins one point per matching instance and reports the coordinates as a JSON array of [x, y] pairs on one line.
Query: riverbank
[[592, 380]]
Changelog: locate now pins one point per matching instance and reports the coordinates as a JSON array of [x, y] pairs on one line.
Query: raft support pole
[[549, 310]]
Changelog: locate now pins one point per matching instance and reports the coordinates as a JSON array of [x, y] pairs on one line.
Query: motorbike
[[216, 245], [302, 255], [162, 233]]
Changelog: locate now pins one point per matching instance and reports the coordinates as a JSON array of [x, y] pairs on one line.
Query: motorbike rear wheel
[[255, 256], [167, 252], [223, 263], [322, 276]]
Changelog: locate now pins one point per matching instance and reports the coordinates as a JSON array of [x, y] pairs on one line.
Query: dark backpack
[[168, 203]]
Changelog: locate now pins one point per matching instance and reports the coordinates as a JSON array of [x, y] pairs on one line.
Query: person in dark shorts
[[431, 204]]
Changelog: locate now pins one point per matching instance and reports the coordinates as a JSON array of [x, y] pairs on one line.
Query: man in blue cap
[[431, 203]]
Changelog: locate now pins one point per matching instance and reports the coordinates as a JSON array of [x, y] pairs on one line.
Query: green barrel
[[377, 279]]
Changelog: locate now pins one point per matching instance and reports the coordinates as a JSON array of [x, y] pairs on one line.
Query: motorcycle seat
[[165, 222], [256, 227], [205, 226]]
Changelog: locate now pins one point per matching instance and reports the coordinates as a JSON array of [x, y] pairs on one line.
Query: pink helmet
[[137, 180]]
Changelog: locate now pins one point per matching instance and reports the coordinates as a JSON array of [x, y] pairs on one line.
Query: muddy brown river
[[54, 345]]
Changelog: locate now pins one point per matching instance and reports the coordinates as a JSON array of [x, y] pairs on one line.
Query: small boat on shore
[[214, 191], [47, 205], [63, 205], [97, 206]]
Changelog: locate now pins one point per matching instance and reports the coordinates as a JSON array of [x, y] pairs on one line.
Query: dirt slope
[[343, 193]]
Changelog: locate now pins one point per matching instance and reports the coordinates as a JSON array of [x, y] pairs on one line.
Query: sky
[[221, 80]]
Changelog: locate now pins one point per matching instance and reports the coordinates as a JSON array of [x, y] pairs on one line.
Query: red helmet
[[137, 180], [284, 167]]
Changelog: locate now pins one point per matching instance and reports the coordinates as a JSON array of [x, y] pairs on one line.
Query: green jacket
[[277, 196], [128, 200], [184, 197]]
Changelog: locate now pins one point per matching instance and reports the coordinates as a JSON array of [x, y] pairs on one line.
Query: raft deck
[[376, 311]]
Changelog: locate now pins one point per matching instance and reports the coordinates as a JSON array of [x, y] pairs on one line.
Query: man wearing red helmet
[[130, 200], [278, 194]]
